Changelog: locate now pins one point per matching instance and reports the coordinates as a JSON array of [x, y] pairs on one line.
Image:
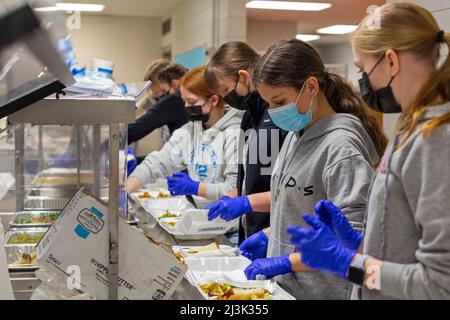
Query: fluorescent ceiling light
[[308, 37], [338, 29], [84, 7], [287, 5]]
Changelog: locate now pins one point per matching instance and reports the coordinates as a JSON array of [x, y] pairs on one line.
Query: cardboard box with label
[[77, 247]]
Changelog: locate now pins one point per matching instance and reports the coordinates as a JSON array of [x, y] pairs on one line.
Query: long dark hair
[[289, 63]]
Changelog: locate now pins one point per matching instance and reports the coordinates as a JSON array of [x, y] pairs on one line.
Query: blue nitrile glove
[[181, 185], [65, 161], [334, 219], [229, 208], [320, 248], [255, 247], [269, 267], [131, 161]]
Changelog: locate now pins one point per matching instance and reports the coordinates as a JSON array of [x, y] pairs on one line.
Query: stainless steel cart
[[98, 113]]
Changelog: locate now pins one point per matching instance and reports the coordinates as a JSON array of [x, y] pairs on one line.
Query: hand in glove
[[320, 249], [334, 219], [229, 208], [131, 161], [269, 267], [181, 185], [255, 247]]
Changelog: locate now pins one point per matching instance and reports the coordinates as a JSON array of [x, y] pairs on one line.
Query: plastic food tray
[[156, 206], [228, 270], [194, 225]]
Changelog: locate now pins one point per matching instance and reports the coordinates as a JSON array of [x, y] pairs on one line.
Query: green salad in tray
[[42, 218], [169, 214]]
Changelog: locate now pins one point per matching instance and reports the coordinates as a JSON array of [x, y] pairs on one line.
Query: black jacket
[[257, 118], [168, 111]]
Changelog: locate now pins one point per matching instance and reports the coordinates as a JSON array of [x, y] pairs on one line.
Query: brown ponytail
[[288, 63], [407, 27]]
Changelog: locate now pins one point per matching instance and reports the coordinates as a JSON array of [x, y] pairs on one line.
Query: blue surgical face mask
[[289, 119]]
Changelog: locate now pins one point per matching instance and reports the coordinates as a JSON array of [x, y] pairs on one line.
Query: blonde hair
[[154, 69], [406, 27]]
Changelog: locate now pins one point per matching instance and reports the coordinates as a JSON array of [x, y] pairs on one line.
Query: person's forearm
[[233, 193], [260, 202], [372, 269], [202, 189], [133, 185], [296, 263]]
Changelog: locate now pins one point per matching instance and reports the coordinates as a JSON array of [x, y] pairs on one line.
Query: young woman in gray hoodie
[[330, 152], [406, 245]]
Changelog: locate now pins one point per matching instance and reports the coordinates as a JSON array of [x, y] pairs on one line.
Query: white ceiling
[[140, 8], [342, 12]]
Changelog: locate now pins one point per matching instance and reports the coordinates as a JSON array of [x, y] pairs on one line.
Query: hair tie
[[327, 76], [441, 36]]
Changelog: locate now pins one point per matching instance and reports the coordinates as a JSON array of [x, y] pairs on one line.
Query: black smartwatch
[[356, 272]]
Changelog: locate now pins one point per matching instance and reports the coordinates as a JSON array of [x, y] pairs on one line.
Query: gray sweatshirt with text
[[333, 159]]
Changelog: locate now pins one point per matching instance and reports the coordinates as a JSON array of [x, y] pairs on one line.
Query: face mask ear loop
[[299, 95], [390, 82], [378, 62], [237, 81]]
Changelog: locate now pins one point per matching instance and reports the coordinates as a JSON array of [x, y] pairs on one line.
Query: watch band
[[356, 271], [359, 263]]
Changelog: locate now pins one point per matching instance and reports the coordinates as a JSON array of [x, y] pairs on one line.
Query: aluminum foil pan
[[34, 219]]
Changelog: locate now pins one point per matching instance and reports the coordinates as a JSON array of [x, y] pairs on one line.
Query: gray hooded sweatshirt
[[210, 156], [408, 217], [333, 159]]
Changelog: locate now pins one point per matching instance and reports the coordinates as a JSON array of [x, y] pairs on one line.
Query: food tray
[[180, 236], [15, 251], [60, 177], [25, 219], [35, 232], [45, 203], [222, 251], [228, 270], [155, 206], [194, 225]]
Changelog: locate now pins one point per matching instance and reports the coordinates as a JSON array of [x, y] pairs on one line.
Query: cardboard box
[[79, 241]]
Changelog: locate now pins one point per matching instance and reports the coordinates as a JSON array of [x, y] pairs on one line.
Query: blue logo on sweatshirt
[[205, 162]]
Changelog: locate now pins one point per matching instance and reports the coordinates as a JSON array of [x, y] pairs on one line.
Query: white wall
[[130, 42], [262, 34], [441, 10], [208, 23], [341, 53], [192, 26]]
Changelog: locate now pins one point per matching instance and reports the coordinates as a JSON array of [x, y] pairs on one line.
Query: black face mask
[[382, 100], [157, 98], [195, 113], [235, 100]]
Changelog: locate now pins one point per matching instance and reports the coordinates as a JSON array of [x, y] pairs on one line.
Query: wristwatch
[[356, 272]]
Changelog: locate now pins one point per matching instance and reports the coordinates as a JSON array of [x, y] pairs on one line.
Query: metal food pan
[[15, 252], [12, 233], [15, 223], [53, 192], [45, 203]]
